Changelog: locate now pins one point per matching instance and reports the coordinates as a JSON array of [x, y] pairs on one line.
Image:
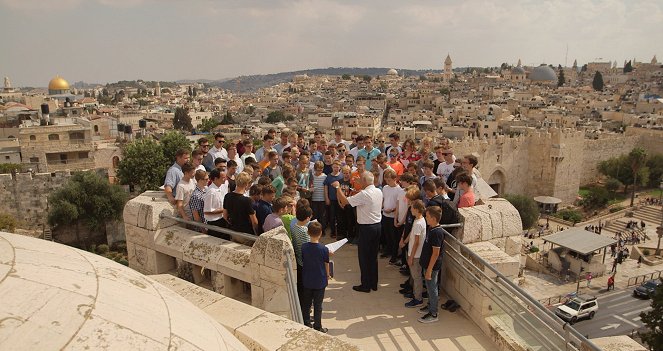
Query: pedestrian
[[639, 261], [369, 216], [589, 279], [611, 282], [315, 275], [431, 259]]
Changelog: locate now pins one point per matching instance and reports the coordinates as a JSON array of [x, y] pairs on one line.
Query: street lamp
[[659, 230]]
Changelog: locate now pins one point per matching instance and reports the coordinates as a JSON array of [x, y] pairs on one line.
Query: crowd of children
[[294, 184]]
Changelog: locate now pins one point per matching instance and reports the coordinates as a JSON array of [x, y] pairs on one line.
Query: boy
[[273, 170], [288, 216], [197, 202], [390, 194], [427, 168], [464, 182], [330, 196], [318, 197], [299, 237], [415, 243], [315, 257], [248, 150], [346, 218], [184, 190], [279, 209], [264, 205], [327, 160], [431, 262]]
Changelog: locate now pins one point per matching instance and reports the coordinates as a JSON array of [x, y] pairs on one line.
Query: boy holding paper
[[315, 276]]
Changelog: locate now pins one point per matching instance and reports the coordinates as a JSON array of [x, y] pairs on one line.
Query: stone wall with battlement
[[649, 139]]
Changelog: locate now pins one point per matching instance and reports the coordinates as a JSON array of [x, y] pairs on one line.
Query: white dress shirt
[[369, 205], [214, 200]]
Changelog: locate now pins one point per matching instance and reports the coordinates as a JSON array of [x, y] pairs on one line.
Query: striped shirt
[[299, 237], [319, 187]]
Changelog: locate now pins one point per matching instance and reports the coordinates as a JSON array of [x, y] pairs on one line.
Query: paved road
[[618, 314]]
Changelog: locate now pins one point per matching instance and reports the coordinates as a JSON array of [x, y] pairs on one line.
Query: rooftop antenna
[[566, 58]]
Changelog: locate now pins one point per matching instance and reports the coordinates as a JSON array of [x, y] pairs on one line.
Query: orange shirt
[[397, 166], [355, 182]]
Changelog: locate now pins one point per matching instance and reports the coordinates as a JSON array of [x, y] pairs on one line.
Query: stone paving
[[379, 321]]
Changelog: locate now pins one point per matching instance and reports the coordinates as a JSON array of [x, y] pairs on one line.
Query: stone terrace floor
[[379, 321]]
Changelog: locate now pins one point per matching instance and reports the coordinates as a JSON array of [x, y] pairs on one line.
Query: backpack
[[450, 214]]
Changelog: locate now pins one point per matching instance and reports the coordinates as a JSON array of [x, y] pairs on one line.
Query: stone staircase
[[48, 234], [651, 215]]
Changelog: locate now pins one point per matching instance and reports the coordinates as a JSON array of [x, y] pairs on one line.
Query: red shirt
[[466, 200]]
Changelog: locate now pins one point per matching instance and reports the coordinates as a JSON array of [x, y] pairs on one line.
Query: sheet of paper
[[336, 245]]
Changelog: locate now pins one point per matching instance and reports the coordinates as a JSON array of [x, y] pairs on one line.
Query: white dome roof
[[392, 72], [57, 297]]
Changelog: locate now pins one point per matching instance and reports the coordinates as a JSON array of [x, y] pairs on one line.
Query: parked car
[[579, 307], [647, 288]]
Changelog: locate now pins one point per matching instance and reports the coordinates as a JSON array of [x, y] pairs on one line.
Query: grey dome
[[517, 70], [543, 73]]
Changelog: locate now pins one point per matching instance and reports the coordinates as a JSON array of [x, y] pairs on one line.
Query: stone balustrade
[[159, 245]]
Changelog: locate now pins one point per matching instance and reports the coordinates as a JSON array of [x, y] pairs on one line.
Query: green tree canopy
[[9, 168], [345, 77], [228, 118], [597, 82], [620, 168], [208, 124], [278, 116], [596, 198], [654, 322], [527, 208], [655, 165], [637, 158], [628, 67], [560, 78], [86, 198], [182, 120], [143, 164], [612, 185], [171, 142]]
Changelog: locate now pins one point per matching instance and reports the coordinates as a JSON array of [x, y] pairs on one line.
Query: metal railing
[[644, 277], [290, 276], [526, 318]]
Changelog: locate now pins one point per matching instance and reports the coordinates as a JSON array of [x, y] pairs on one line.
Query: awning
[[547, 200], [580, 240]]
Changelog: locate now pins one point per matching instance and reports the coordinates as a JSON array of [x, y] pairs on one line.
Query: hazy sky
[[111, 40]]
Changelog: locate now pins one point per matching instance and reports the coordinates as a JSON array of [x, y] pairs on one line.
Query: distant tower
[[8, 83], [447, 69], [654, 60], [157, 90], [519, 63], [575, 63]]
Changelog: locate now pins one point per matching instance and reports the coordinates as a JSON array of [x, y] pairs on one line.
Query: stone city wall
[[157, 246], [606, 147], [649, 139]]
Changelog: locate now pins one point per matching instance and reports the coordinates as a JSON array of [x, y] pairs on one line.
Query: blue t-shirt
[[314, 257], [331, 191], [263, 209]]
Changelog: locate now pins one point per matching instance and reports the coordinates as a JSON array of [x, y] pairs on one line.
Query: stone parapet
[[255, 328], [496, 219], [159, 245]]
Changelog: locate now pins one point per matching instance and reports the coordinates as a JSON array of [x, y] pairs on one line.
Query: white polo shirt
[[369, 205], [213, 200]]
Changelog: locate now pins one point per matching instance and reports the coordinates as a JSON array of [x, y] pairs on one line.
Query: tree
[[620, 168], [628, 67], [366, 78], [654, 322], [612, 185], [527, 208], [655, 166], [560, 78], [182, 120], [345, 77], [570, 215], [583, 68], [208, 124], [278, 116], [171, 142], [597, 198], [6, 168], [86, 199], [228, 118], [637, 158], [597, 83], [7, 223], [143, 165]]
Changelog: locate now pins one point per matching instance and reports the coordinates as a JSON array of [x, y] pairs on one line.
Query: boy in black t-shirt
[[431, 262], [315, 275]]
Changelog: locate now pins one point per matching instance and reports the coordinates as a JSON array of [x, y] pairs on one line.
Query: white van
[[579, 307]]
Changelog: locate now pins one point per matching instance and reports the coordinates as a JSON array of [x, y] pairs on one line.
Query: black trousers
[[219, 223], [369, 243], [314, 296], [333, 219], [347, 222], [388, 238], [320, 213]]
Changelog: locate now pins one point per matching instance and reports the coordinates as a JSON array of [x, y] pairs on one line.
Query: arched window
[[76, 136], [116, 161], [53, 137], [96, 129], [33, 137]]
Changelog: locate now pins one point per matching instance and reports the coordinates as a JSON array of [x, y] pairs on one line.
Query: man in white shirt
[[369, 216], [267, 142], [213, 200], [215, 152], [355, 150], [445, 167], [283, 144]]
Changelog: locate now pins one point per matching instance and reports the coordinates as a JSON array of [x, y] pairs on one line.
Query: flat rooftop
[[379, 321]]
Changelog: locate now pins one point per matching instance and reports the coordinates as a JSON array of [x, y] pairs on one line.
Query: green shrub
[[616, 209], [527, 208], [533, 249], [7, 222], [570, 215], [124, 262], [646, 252], [102, 249]]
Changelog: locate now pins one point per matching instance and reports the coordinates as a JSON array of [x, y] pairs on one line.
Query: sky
[[110, 40]]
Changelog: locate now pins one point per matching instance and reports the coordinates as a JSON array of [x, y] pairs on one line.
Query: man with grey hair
[[369, 216]]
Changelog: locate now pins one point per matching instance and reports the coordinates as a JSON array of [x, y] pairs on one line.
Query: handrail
[[535, 306], [644, 277], [211, 227]]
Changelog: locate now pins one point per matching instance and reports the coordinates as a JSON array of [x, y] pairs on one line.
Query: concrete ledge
[[502, 335], [617, 343], [496, 219], [255, 328]]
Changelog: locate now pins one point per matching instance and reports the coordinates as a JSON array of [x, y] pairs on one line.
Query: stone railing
[[159, 245]]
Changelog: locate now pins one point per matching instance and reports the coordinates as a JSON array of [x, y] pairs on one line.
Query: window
[[34, 159], [96, 129], [33, 137], [116, 161], [7, 157], [82, 154], [76, 136], [53, 137]]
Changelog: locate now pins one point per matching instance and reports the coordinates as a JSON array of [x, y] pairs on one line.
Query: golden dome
[[58, 83]]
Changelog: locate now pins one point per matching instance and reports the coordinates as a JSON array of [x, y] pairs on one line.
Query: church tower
[[157, 90], [447, 69]]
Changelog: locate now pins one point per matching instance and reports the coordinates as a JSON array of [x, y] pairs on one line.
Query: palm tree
[[637, 156]]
